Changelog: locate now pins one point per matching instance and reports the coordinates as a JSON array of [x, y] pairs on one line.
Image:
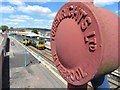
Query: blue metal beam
[[100, 83]]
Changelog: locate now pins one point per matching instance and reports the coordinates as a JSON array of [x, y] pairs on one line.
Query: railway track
[[114, 81], [48, 52], [46, 55]]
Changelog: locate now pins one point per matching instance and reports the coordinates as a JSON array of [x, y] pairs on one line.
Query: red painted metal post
[[80, 87], [84, 42]]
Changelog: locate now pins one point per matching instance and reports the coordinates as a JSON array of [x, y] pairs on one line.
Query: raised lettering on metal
[[87, 21], [90, 39]]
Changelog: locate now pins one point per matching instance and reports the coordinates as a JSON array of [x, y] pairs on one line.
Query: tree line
[[5, 27], [34, 30]]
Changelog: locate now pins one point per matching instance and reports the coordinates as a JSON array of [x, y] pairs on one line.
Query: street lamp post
[[25, 51]]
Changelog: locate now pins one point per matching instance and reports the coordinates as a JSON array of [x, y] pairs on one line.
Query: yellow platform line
[[117, 72], [30, 51]]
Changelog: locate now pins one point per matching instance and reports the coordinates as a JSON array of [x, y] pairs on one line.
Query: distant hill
[[43, 29]]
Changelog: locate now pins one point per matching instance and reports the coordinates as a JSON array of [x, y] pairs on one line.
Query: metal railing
[[3, 47]]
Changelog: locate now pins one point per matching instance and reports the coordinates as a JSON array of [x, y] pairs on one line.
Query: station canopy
[[33, 35]]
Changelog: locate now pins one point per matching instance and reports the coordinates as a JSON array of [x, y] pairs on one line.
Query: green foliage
[[11, 27], [4, 28], [35, 31]]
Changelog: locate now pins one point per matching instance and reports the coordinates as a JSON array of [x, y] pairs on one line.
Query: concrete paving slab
[[34, 76]]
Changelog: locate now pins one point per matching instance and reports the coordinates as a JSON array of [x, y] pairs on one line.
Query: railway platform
[[23, 70]]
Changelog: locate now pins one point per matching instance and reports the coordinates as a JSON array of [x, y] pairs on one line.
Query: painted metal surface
[[100, 83], [84, 42], [73, 87], [1, 65], [3, 50]]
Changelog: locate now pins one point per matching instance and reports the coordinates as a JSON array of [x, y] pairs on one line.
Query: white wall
[[0, 31]]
